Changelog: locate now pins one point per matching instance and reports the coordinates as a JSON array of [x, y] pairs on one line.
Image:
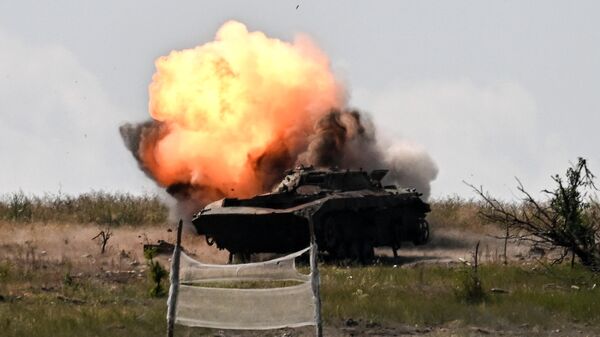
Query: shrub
[[470, 289], [568, 218], [156, 272]]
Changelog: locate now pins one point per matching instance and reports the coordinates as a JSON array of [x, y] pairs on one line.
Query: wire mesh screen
[[233, 308]]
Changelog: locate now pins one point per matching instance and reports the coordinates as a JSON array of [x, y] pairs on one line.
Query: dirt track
[[74, 242], [453, 246]]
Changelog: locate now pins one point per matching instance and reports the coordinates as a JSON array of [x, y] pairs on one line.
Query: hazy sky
[[492, 90]]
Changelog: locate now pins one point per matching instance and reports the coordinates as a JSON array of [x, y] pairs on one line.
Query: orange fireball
[[226, 104]]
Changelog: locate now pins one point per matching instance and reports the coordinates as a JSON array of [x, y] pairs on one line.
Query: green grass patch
[[431, 295], [44, 302]]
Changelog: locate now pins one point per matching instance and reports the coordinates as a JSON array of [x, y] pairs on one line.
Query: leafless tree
[[568, 219], [103, 238]]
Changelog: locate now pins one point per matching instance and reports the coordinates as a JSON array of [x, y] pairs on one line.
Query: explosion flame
[[229, 116]]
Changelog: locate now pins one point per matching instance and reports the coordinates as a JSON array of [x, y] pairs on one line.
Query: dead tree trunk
[[103, 238]]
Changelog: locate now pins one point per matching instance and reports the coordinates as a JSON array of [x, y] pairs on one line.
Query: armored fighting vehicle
[[352, 212]]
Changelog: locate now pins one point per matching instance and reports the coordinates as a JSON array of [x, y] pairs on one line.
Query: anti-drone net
[[235, 308]]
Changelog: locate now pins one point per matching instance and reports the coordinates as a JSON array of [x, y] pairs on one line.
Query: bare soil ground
[[73, 243], [453, 329], [451, 246]]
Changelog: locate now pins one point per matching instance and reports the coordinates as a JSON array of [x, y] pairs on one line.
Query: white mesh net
[[283, 268], [245, 308], [233, 308]]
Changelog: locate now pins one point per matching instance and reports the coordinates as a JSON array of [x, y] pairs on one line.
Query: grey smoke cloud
[[349, 139]]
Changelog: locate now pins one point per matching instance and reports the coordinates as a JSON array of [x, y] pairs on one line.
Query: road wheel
[[354, 250], [422, 233], [331, 235], [337, 251], [367, 253]]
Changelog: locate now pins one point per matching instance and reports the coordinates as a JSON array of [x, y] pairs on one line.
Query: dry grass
[[95, 207], [457, 213], [125, 209]]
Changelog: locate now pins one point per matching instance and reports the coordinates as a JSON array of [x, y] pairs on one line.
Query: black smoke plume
[[341, 138]]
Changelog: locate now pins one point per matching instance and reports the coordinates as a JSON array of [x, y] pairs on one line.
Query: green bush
[[156, 272], [68, 280], [470, 289], [18, 207]]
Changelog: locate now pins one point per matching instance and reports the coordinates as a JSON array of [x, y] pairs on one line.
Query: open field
[[55, 282], [75, 291]]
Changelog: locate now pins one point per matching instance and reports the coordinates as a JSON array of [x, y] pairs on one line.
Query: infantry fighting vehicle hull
[[351, 211]]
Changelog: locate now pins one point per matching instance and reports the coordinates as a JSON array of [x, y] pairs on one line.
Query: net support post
[[315, 278], [174, 287]]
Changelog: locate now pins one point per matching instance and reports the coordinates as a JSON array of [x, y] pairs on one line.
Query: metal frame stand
[[315, 280], [174, 288], [174, 277]]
